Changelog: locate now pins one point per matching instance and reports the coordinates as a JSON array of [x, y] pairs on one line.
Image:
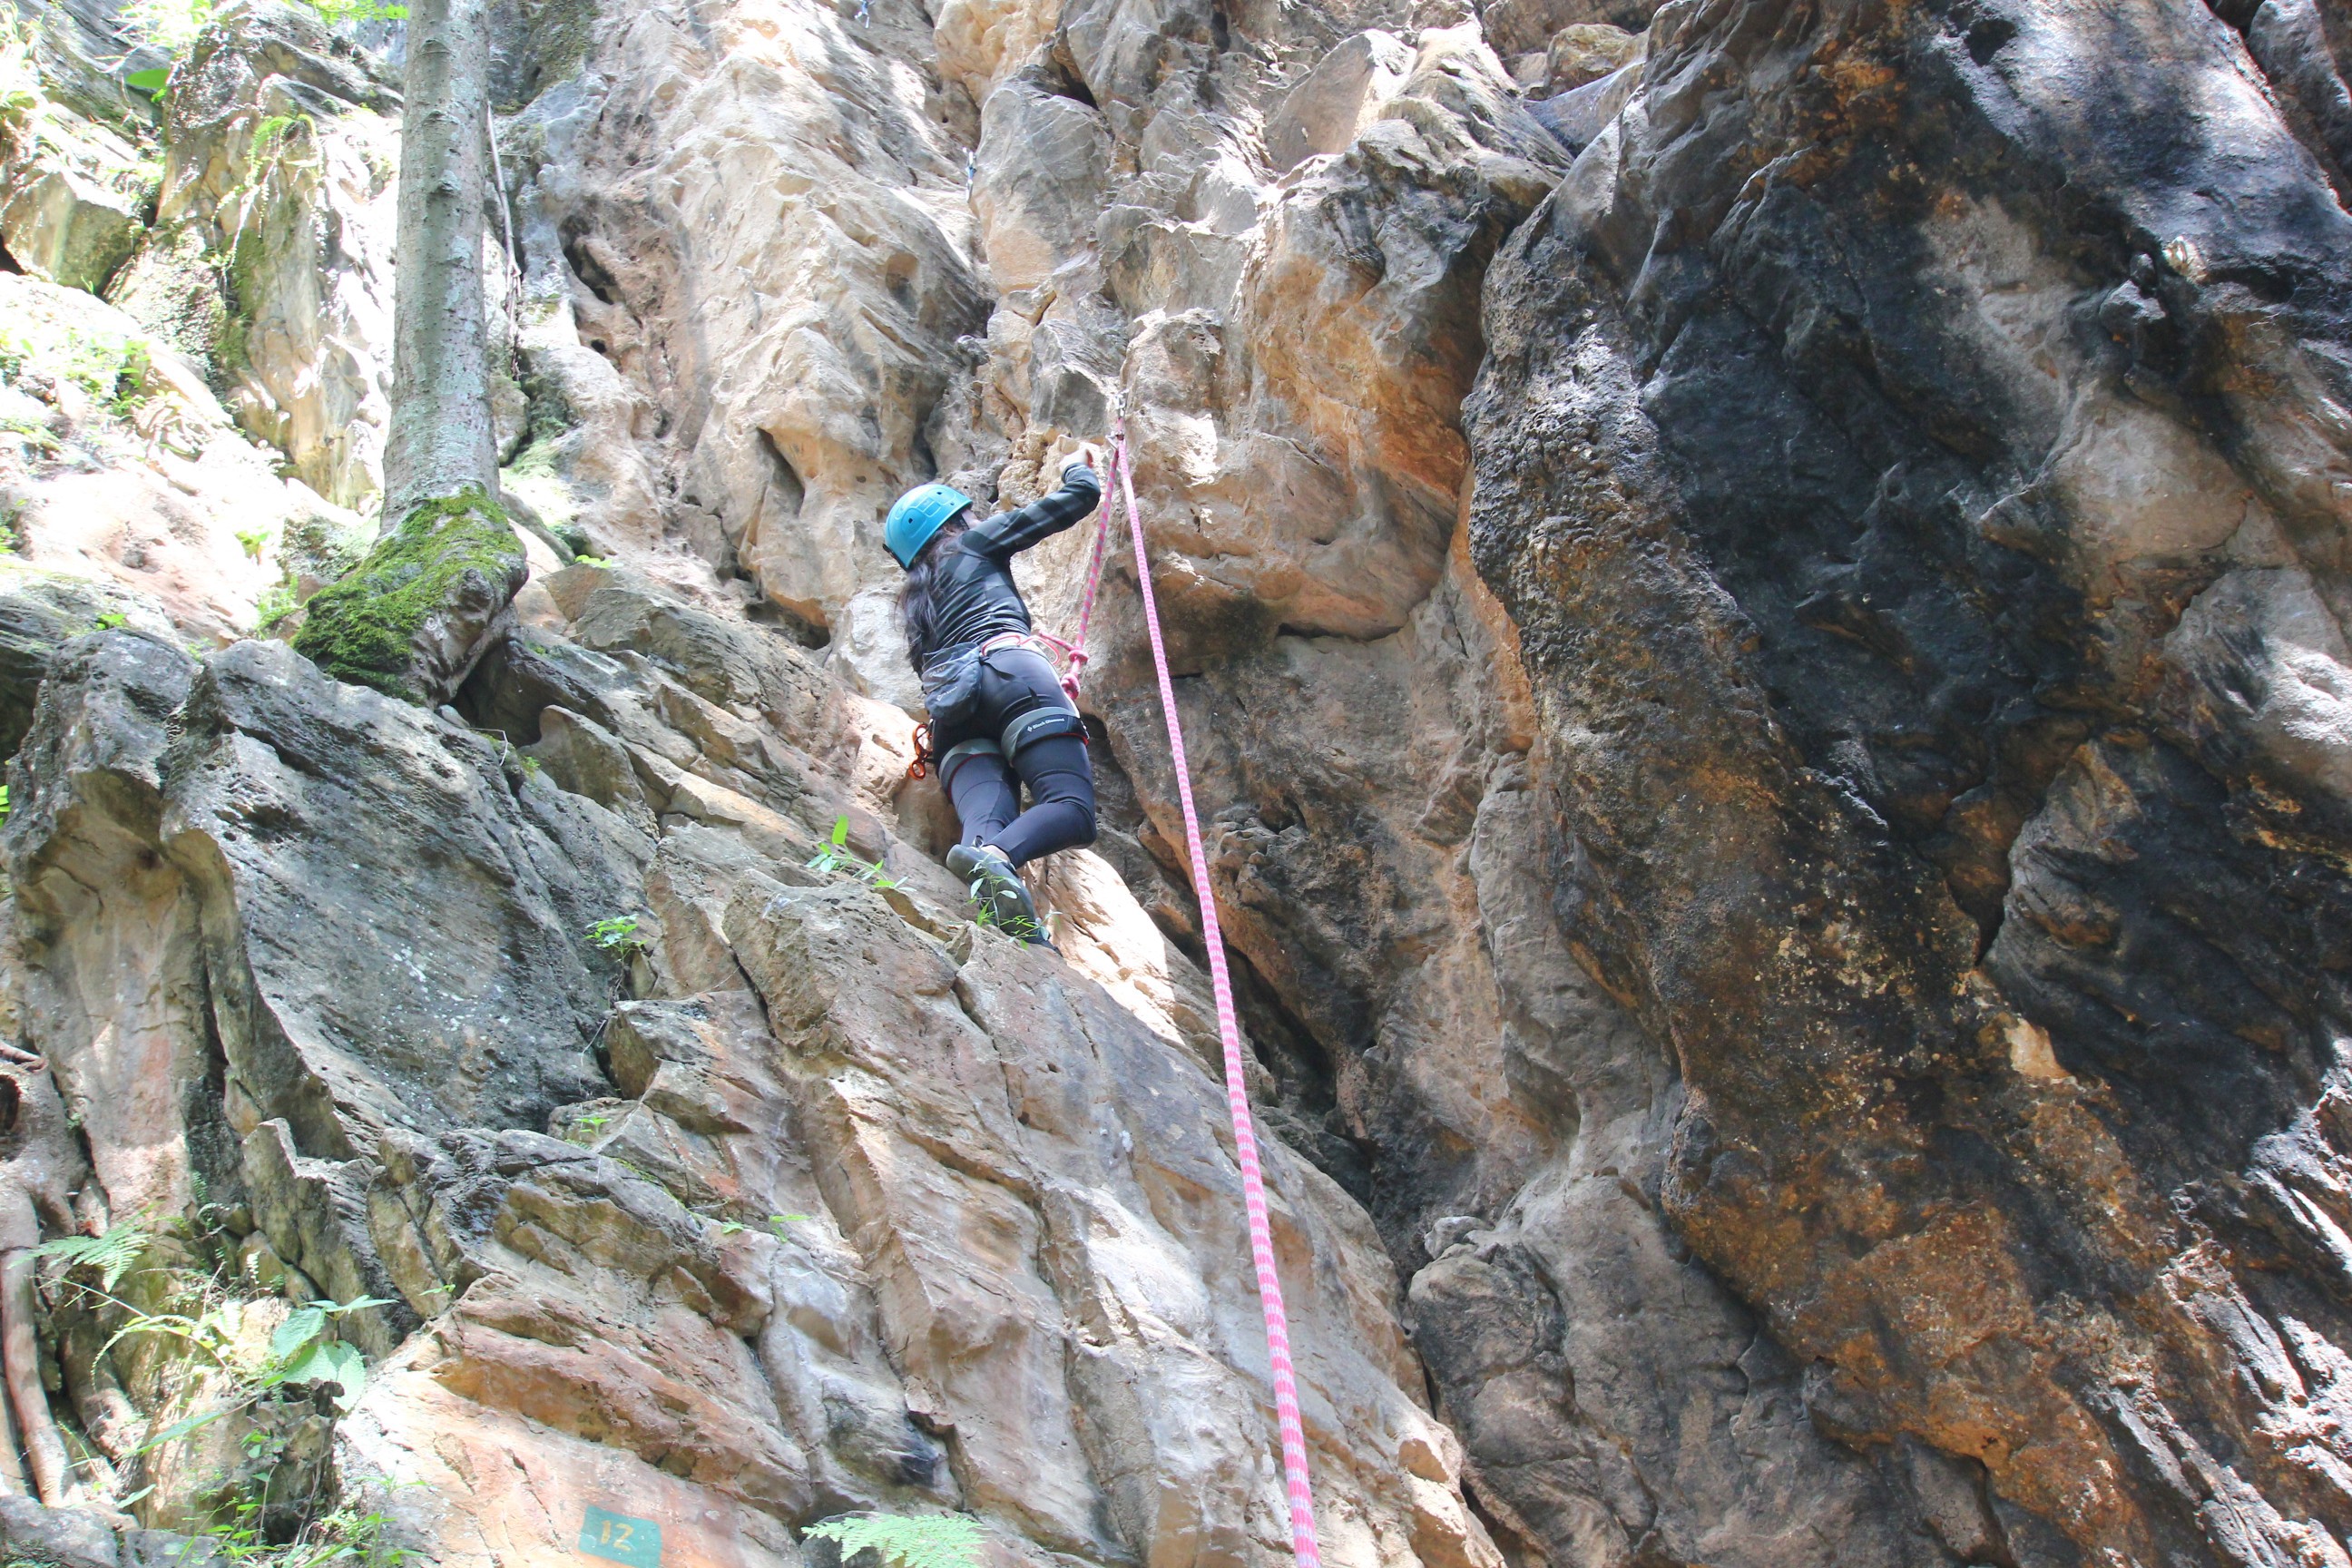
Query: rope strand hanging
[[1269, 1283]]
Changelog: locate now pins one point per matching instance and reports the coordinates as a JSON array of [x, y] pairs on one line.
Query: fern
[[112, 1255], [938, 1540]]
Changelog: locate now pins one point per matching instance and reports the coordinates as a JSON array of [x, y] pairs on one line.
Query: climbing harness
[[1269, 1284], [952, 680]]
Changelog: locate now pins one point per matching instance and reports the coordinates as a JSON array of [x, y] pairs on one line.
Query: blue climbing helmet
[[917, 515]]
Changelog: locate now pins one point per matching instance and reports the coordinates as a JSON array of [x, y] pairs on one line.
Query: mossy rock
[[409, 619], [317, 549]]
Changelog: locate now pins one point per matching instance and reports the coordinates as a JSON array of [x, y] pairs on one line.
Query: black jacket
[[973, 597]]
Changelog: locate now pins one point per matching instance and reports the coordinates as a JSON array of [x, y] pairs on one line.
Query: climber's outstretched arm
[[1013, 532]]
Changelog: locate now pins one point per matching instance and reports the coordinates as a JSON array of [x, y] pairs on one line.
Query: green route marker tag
[[617, 1537]]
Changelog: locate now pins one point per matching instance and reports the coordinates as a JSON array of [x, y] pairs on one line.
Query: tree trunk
[[412, 617], [20, 1357], [442, 441]]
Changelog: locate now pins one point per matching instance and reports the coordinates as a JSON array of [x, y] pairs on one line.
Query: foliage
[[204, 1320], [110, 621], [132, 376], [363, 629], [616, 935], [298, 1354], [115, 369], [253, 540], [273, 138], [174, 25], [171, 25], [337, 12], [938, 1540], [835, 856], [112, 1255], [344, 1537], [776, 1222], [20, 78], [4, 803], [32, 432], [596, 561], [277, 603]]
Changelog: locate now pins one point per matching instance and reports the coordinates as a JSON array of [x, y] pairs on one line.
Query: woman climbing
[[999, 716]]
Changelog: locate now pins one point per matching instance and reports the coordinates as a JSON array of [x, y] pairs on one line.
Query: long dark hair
[[914, 594]]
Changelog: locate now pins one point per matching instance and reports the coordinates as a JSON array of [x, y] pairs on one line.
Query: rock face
[[1926, 618], [1756, 594], [1007, 1275]]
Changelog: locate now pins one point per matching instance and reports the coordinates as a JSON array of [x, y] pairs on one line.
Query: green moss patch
[[449, 560]]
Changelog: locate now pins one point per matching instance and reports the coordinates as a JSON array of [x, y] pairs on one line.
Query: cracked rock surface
[[1757, 595]]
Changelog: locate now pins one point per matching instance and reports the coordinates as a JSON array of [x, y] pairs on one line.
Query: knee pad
[[1040, 724], [963, 753]]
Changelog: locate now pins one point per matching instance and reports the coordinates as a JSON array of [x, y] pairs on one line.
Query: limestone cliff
[[1758, 587]]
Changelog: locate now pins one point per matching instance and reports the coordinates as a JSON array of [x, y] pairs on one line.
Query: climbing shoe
[[1004, 898]]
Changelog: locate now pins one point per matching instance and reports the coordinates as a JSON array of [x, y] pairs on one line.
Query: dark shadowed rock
[[1872, 542]]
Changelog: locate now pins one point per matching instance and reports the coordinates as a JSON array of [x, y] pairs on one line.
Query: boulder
[[1345, 91], [68, 226], [1588, 51], [40, 612]]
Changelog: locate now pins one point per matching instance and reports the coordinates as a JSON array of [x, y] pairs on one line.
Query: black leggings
[[986, 786]]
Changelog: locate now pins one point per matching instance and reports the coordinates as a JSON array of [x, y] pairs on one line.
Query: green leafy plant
[[273, 138], [151, 81], [31, 431], [345, 1538], [335, 12], [112, 367], [171, 25], [110, 1255], [595, 560], [132, 376], [776, 1222], [936, 1540], [1020, 927], [835, 856], [275, 604], [110, 621], [4, 803], [253, 540], [618, 935], [20, 78], [299, 1353]]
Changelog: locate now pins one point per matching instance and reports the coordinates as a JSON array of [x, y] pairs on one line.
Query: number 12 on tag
[[617, 1537]]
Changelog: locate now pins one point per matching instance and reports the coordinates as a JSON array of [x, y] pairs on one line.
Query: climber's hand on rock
[[1069, 451]]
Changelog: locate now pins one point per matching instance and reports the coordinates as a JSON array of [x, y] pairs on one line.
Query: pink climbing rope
[[1269, 1284], [1075, 650]]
